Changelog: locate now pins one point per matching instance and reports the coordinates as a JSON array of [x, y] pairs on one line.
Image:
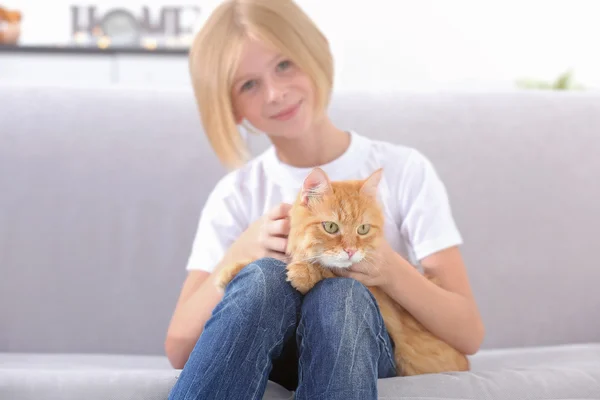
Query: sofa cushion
[[543, 373], [540, 373], [93, 377]]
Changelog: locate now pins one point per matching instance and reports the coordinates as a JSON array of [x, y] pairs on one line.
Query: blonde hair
[[215, 53]]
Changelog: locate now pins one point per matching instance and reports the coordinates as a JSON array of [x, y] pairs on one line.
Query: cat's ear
[[370, 185], [316, 184]]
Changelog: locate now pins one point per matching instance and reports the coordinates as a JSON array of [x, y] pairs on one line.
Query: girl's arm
[[449, 310], [199, 296]]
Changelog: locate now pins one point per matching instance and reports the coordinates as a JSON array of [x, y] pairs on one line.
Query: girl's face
[[272, 93]]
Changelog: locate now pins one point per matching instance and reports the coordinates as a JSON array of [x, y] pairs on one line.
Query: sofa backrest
[[101, 189]]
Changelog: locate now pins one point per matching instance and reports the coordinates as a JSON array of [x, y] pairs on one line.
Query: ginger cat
[[329, 217]]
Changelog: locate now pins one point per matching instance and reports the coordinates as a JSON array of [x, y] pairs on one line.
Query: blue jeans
[[329, 344]]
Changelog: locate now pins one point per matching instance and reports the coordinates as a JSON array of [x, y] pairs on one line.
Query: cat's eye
[[330, 227], [363, 229]]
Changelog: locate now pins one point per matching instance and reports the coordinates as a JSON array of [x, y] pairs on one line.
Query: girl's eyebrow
[[246, 76]]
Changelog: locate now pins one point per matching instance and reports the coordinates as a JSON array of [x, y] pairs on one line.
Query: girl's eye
[[248, 85], [284, 65]]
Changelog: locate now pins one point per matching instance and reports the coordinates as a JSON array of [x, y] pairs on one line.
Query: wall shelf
[[45, 49]]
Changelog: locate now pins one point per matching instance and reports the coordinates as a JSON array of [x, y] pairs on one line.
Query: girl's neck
[[321, 145]]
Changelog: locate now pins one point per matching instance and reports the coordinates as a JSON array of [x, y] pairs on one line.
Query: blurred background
[[378, 45]]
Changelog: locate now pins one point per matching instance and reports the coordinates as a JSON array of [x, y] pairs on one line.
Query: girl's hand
[[374, 270], [265, 237]]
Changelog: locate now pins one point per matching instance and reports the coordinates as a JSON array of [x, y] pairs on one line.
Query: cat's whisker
[[310, 259]]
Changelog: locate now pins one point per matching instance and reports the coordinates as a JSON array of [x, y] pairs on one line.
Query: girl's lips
[[287, 113]]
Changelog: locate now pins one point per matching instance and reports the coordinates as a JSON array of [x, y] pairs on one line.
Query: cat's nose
[[350, 252]]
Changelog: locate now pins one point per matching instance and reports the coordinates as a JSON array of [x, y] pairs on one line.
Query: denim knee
[[246, 331], [335, 292], [338, 302], [342, 341], [261, 287]]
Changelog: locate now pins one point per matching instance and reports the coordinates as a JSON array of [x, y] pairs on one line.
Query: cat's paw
[[327, 273], [303, 276]]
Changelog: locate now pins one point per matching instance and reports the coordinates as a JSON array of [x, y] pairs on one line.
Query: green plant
[[565, 81]]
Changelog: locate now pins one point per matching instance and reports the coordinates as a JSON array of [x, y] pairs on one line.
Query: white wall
[[414, 44]]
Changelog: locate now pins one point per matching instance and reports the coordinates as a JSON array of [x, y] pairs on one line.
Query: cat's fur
[[313, 252]]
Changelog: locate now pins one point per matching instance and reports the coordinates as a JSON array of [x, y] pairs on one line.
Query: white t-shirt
[[418, 216]]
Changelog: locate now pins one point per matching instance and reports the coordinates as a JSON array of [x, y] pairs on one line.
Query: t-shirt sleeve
[[427, 223], [221, 222]]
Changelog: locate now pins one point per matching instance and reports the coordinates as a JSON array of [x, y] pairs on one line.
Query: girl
[[264, 63]]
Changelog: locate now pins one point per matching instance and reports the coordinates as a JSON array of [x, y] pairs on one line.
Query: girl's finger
[[275, 243], [277, 255], [279, 211], [281, 227]]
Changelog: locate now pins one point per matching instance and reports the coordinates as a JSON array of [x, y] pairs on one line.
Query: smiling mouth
[[287, 113]]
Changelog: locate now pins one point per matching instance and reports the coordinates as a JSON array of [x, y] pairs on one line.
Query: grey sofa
[[100, 192]]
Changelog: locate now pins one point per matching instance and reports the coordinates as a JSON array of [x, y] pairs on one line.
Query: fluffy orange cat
[[330, 216]]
